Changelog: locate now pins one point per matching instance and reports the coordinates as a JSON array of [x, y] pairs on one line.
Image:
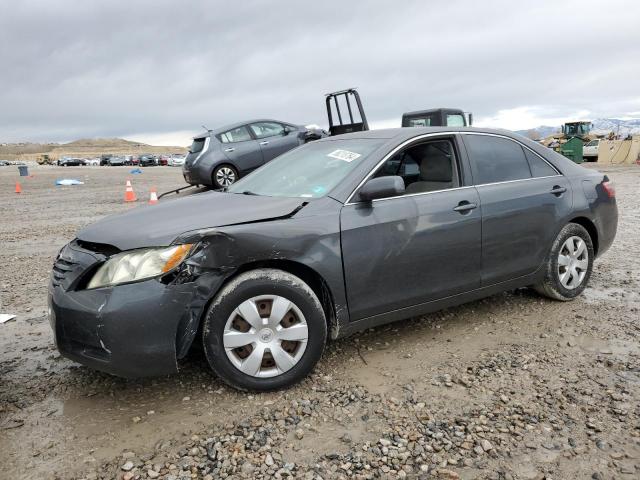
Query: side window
[[539, 168], [267, 129], [426, 167], [455, 120], [240, 134], [419, 122], [496, 159]]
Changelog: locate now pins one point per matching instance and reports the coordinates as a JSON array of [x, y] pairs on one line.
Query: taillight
[[609, 188]]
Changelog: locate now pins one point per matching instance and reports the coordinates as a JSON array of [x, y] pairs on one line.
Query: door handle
[[230, 149], [264, 143], [465, 207], [557, 190]]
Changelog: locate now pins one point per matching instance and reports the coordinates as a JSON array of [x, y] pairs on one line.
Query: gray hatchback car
[[336, 236], [220, 157]]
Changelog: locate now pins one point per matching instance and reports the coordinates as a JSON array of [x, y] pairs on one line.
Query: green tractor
[[576, 134]]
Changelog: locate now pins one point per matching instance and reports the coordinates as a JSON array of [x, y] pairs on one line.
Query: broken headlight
[[139, 265]]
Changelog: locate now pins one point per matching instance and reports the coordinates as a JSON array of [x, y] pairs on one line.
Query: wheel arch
[[305, 273], [225, 162], [591, 229]]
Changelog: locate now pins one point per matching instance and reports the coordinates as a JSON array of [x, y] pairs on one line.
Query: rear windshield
[[310, 171], [197, 145]]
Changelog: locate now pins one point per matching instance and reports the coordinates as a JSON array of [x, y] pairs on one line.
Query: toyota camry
[[335, 236]]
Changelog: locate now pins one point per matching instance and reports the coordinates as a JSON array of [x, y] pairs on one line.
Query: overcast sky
[[157, 70]]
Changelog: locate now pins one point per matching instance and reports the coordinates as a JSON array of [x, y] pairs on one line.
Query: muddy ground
[[513, 386]]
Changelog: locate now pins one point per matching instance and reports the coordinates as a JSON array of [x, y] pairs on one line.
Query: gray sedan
[[337, 236], [220, 157]]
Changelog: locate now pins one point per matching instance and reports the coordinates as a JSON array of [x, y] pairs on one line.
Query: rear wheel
[[224, 176], [265, 330], [569, 264]]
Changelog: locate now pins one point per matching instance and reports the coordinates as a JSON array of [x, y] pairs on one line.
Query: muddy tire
[[265, 330], [568, 265], [224, 176]]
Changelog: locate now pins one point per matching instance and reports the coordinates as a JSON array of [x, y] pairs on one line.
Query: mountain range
[[601, 126]]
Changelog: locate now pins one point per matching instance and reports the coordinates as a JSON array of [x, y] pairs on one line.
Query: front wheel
[[568, 265], [224, 176], [264, 330]]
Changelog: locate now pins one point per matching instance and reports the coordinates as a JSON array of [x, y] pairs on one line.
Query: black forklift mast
[[353, 125]]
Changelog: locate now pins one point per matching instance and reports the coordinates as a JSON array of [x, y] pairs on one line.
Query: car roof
[[432, 110], [231, 126], [405, 133]]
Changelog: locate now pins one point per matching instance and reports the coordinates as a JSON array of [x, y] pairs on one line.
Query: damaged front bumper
[[131, 330]]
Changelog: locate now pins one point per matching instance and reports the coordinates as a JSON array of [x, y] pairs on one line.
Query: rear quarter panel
[[592, 201]]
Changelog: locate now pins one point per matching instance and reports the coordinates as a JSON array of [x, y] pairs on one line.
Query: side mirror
[[286, 131], [382, 187]]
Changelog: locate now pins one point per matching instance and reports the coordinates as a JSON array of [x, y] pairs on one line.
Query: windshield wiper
[[247, 192]]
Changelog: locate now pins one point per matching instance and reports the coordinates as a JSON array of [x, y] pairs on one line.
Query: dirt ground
[[510, 387]]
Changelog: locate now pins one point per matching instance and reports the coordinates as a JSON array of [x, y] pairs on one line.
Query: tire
[[562, 287], [240, 354], [224, 176]]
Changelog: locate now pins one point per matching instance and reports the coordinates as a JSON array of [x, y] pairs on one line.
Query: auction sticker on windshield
[[345, 155]]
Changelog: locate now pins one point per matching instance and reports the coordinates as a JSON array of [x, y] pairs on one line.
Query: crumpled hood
[[158, 225]]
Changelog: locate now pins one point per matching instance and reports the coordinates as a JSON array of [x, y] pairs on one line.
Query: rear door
[[241, 148], [273, 139], [524, 202]]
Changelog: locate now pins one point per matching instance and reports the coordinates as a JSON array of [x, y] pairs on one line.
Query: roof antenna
[[207, 129]]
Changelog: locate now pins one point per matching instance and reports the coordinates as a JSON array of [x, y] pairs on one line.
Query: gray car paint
[[244, 156], [319, 240]]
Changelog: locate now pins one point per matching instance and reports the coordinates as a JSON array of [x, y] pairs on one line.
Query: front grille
[[61, 268], [76, 261]]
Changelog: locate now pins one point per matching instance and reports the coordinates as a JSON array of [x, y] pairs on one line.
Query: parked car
[[104, 159], [71, 162], [323, 241], [220, 157], [590, 150], [147, 160], [117, 162], [176, 160], [92, 162]]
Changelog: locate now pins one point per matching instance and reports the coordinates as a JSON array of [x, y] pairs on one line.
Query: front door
[[241, 149], [423, 246], [273, 139]]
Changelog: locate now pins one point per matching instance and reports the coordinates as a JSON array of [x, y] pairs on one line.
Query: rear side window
[[539, 168], [496, 159], [240, 134]]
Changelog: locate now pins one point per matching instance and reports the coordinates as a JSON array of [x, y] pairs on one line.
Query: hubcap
[[265, 336], [225, 176], [573, 262]]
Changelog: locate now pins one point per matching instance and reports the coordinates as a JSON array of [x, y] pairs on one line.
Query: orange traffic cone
[[18, 188], [129, 195], [153, 196]]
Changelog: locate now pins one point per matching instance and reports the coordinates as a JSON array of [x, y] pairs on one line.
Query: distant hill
[[104, 142], [83, 148], [601, 126]]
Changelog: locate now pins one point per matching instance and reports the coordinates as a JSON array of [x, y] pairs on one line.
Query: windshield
[[310, 171]]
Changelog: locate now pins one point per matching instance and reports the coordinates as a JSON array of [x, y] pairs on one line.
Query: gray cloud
[[71, 69]]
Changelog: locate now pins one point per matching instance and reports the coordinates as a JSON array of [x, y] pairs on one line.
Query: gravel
[[510, 387]]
